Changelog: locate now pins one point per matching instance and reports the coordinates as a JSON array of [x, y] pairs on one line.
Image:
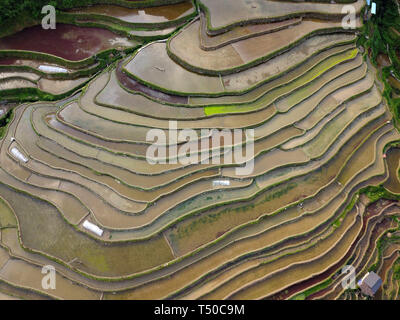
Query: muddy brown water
[[23, 274], [133, 85], [144, 15], [384, 273], [364, 157], [226, 13], [67, 41], [393, 162], [186, 45], [8, 61], [58, 87], [25, 294], [108, 180], [54, 123], [383, 60], [239, 33]]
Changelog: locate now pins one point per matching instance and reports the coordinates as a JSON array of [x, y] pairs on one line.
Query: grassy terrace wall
[[33, 94], [4, 121]]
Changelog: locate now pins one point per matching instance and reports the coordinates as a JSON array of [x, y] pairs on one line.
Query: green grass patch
[[310, 291], [349, 207], [374, 193], [4, 122]]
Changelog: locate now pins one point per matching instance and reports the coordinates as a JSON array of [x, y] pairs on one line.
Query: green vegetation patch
[[7, 218]]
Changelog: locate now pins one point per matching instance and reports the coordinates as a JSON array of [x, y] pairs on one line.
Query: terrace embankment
[[196, 229]]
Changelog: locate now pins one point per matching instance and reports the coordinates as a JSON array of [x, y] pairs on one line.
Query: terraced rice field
[[273, 212]]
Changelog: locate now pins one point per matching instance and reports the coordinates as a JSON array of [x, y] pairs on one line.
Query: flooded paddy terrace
[[170, 231]]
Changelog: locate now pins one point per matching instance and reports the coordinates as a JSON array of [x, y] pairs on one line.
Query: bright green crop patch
[[308, 77]]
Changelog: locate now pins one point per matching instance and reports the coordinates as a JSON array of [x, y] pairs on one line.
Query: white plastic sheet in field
[[93, 228], [223, 183], [18, 154], [52, 69]]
